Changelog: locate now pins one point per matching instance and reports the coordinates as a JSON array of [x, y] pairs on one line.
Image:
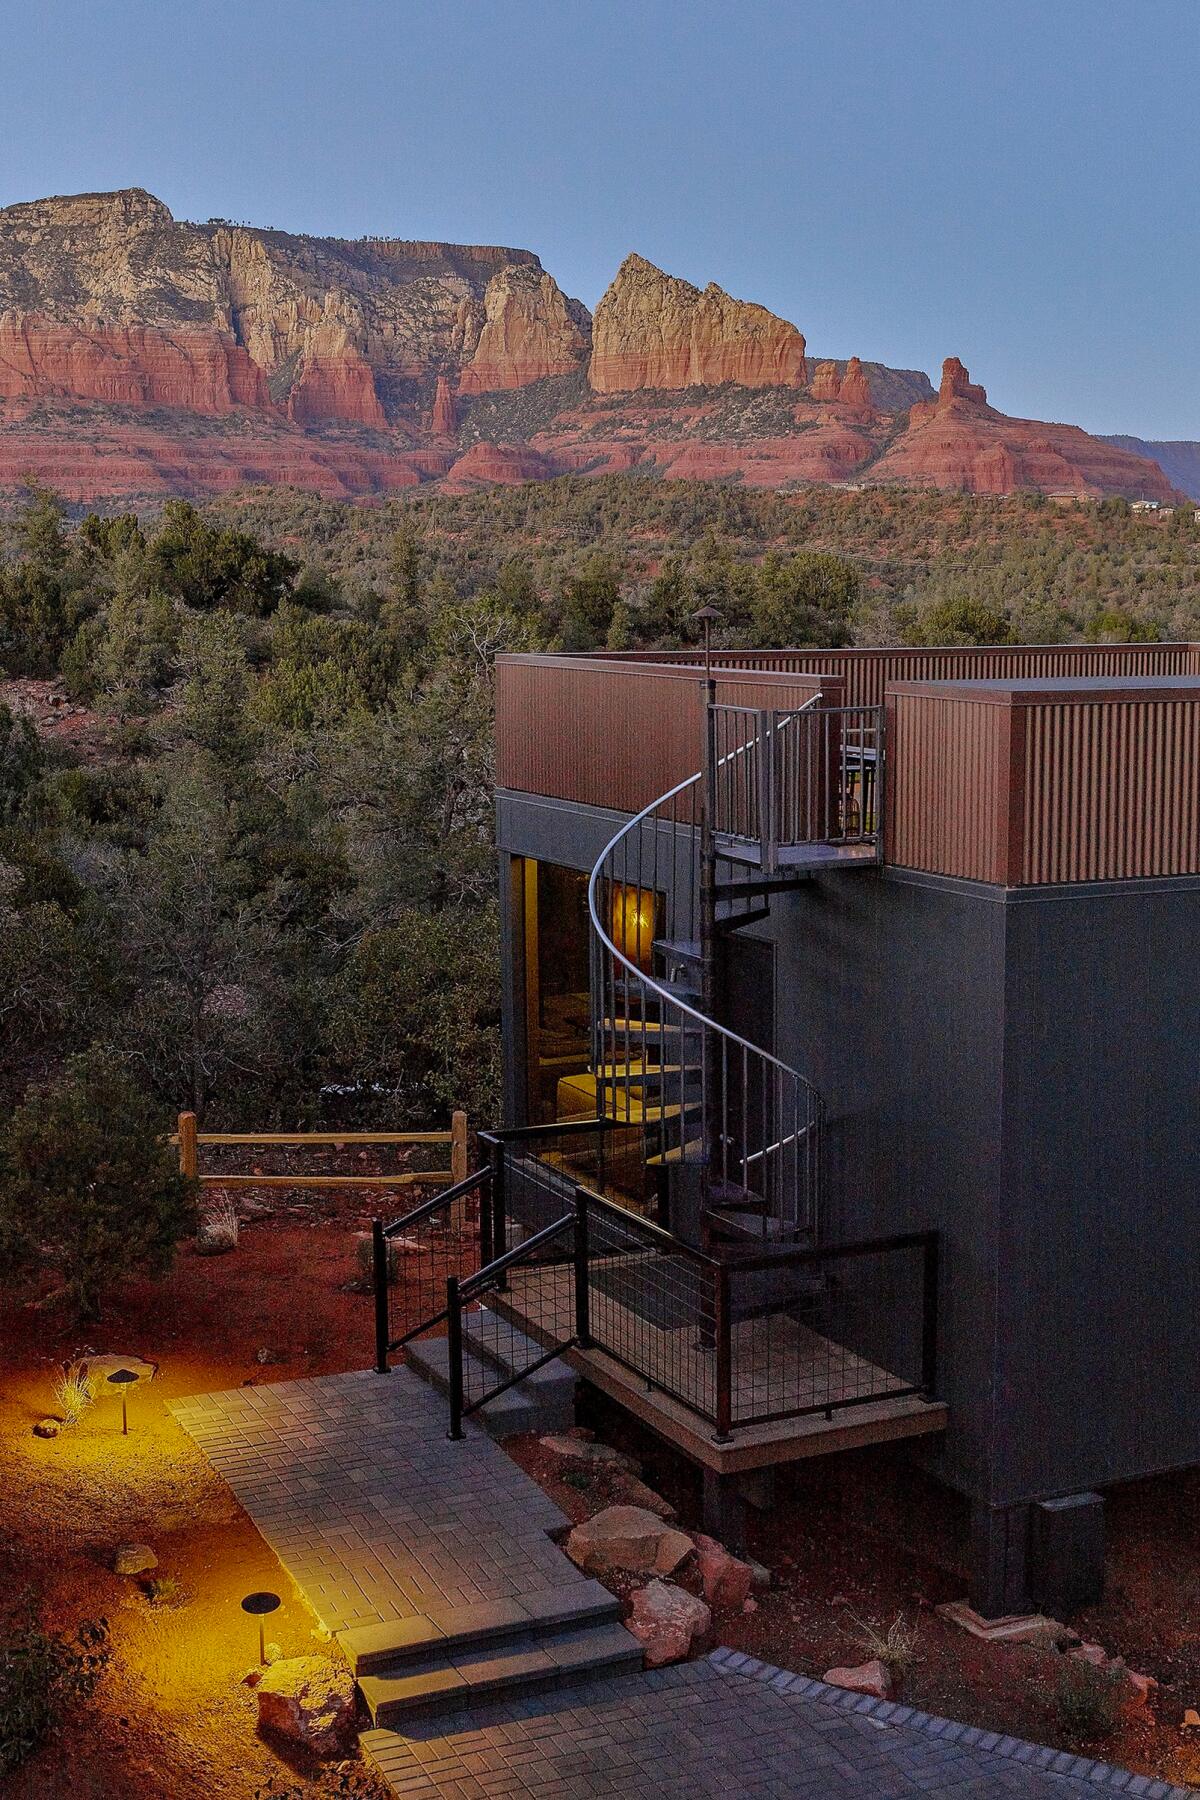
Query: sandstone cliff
[[652, 330], [359, 367]]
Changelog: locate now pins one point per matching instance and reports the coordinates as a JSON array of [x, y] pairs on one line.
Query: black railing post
[[929, 1314], [724, 1368], [379, 1281], [499, 1243], [485, 1219], [583, 1295], [454, 1345]]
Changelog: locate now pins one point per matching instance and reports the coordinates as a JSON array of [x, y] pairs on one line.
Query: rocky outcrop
[[443, 421], [530, 330], [312, 362], [195, 369], [652, 330]]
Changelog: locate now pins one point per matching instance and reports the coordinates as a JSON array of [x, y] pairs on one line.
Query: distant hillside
[[142, 356], [1178, 458]]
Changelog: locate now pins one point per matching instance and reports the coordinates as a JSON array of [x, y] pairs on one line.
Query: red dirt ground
[[860, 1537]]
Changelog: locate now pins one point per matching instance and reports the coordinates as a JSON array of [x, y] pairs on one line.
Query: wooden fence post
[[189, 1163], [458, 1148]]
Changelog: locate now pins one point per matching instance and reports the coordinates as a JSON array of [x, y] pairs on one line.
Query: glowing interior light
[[633, 923]]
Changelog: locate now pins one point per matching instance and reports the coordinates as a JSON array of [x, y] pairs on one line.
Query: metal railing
[[785, 780], [738, 1340], [466, 1227], [512, 1349]]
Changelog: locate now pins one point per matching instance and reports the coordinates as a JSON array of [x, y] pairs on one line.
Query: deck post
[[583, 1296], [189, 1156], [379, 1282], [724, 1355], [454, 1345]]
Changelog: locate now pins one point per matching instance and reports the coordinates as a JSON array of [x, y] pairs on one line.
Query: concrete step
[[454, 1630], [492, 1352], [486, 1660]]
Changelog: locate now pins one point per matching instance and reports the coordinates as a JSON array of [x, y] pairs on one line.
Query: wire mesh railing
[[490, 1352]]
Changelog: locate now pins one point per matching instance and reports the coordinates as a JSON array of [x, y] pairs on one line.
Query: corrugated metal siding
[[1112, 791], [867, 673], [581, 729], [946, 806]]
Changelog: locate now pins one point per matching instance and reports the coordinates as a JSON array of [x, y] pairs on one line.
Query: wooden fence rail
[[189, 1140]]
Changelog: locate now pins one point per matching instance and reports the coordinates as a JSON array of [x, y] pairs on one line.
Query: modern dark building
[[861, 991]]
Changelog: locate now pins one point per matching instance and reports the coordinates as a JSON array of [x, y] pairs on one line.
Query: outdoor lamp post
[[708, 616], [259, 1606], [121, 1379]]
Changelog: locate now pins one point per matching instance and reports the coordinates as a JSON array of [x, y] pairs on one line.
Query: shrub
[[89, 1187], [217, 1227], [41, 1677], [897, 1648], [74, 1392], [1087, 1700]]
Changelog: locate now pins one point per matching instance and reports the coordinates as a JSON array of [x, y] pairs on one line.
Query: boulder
[[99, 1368], [760, 1576], [628, 1537], [669, 1621], [310, 1700], [1090, 1653], [47, 1428], [133, 1559], [868, 1678], [587, 1451], [727, 1580], [636, 1493]]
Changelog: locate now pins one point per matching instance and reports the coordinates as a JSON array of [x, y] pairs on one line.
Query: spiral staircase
[[729, 1136]]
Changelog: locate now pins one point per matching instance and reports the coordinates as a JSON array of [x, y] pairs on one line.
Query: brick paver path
[[375, 1515], [702, 1732], [371, 1510]]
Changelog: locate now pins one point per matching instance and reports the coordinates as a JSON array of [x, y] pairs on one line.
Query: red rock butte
[[357, 367]]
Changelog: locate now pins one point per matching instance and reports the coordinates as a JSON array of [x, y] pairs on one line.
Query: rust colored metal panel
[[948, 804], [609, 734], [1112, 790]]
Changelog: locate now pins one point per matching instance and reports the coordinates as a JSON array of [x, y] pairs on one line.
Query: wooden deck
[[777, 1364]]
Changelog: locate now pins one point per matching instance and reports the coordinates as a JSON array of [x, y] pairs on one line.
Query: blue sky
[[1009, 182]]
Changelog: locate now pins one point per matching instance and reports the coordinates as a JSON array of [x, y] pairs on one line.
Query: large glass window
[[557, 1007]]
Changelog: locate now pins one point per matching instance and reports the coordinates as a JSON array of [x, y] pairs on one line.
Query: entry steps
[[454, 1657], [494, 1351]]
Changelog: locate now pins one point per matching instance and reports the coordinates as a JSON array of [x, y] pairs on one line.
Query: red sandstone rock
[[669, 1621], [530, 330], [196, 370], [340, 386], [503, 464], [957, 384], [855, 388], [726, 1579], [652, 330], [826, 383], [444, 420], [868, 1678]]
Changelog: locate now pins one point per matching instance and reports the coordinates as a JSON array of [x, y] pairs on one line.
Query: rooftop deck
[[1018, 766]]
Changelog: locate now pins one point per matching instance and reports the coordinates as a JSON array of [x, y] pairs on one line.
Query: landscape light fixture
[[258, 1606], [121, 1378], [708, 617]]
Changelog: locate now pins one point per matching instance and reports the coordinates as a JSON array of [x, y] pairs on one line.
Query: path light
[[258, 1606], [121, 1378]]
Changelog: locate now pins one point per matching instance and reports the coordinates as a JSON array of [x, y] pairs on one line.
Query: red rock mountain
[[142, 355]]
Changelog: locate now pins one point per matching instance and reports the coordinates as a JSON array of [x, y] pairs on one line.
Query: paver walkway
[[376, 1515], [371, 1510]]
